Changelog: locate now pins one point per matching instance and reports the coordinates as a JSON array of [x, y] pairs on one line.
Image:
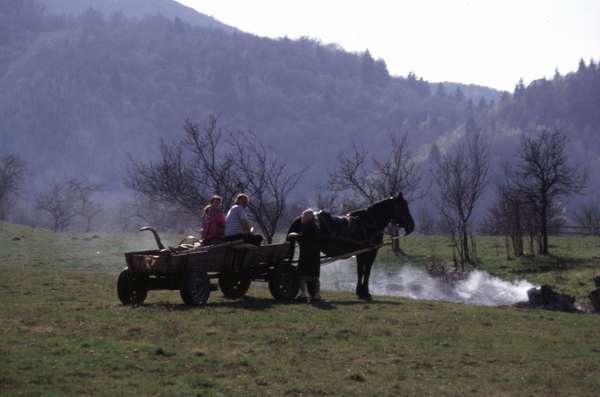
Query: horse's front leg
[[366, 261]]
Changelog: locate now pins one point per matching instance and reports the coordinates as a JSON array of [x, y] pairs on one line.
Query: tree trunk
[[544, 228], [465, 243]]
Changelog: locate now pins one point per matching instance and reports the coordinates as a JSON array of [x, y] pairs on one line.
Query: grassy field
[[63, 331], [573, 262]]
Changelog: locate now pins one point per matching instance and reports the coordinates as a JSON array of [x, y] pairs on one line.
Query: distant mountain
[[80, 94], [566, 103], [136, 8], [470, 91]]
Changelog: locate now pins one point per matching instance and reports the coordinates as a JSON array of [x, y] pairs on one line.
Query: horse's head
[[401, 214]]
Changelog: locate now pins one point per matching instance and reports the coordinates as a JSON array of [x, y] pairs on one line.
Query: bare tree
[[352, 174], [12, 171], [144, 211], [163, 215], [427, 223], [543, 175], [326, 201], [213, 160], [265, 178], [370, 179], [123, 217], [510, 217], [87, 209], [189, 172], [171, 179], [373, 179], [60, 203], [588, 216], [461, 177]]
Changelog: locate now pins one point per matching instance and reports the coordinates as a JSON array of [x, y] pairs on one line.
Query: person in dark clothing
[[306, 232]]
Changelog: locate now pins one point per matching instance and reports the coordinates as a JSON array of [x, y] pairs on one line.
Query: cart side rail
[[266, 255]]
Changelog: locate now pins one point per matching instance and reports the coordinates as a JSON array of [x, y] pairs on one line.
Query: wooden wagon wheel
[[284, 283], [195, 288], [234, 286], [131, 289]]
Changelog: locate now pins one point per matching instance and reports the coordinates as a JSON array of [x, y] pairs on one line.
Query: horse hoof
[[365, 297]]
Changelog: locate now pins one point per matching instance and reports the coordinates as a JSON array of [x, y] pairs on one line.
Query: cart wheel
[[195, 288], [131, 290], [234, 286], [284, 284]]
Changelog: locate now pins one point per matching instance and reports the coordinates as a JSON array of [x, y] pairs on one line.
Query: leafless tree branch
[[213, 160], [461, 177], [543, 174], [12, 172], [373, 179]]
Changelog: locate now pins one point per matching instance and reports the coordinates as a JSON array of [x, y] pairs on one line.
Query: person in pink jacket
[[213, 222]]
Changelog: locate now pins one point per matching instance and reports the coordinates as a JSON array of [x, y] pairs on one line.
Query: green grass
[[63, 332], [571, 267]]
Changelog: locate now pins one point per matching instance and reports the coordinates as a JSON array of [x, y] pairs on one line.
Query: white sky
[[487, 42]]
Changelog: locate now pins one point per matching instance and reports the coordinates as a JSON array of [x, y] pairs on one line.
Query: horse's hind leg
[[360, 272], [365, 261]]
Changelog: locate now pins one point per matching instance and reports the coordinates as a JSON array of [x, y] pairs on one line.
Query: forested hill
[[568, 102], [78, 94], [135, 8]]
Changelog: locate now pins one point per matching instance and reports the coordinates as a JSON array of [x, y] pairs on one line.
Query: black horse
[[362, 229]]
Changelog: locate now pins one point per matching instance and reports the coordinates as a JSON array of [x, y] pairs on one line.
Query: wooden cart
[[190, 269]]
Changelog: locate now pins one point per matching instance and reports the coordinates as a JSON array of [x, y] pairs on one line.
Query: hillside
[[79, 94], [135, 8], [567, 103], [61, 320]]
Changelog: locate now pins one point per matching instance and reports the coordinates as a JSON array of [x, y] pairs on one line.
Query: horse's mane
[[372, 214], [380, 203], [380, 207], [370, 208]]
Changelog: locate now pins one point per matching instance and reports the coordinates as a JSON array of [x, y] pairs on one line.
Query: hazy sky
[[488, 42]]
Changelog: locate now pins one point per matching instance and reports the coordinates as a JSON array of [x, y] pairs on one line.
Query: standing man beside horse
[[360, 231], [306, 231]]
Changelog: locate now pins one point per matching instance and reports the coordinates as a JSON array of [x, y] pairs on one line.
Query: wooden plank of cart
[[193, 269]]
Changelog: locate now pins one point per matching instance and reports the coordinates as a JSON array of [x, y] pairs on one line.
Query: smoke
[[478, 288]]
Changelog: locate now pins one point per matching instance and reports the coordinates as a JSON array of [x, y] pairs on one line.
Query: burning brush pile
[[543, 297], [445, 283], [442, 284]]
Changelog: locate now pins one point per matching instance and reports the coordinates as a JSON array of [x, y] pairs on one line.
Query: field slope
[[63, 332]]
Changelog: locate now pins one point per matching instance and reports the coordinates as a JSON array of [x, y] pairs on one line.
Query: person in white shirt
[[237, 225]]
